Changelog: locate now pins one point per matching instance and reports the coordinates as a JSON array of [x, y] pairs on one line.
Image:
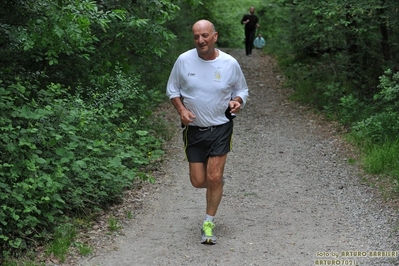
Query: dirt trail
[[290, 197]]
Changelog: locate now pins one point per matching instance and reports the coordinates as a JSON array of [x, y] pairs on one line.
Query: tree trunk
[[386, 49]]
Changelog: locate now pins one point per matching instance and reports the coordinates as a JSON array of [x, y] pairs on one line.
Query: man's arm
[[244, 19], [240, 91], [178, 104], [186, 116]]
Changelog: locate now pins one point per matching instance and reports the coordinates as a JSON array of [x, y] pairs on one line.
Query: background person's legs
[[251, 38], [247, 43]]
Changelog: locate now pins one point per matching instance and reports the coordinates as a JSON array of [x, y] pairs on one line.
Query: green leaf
[[40, 160], [60, 151], [142, 132], [64, 160], [15, 216], [81, 164]]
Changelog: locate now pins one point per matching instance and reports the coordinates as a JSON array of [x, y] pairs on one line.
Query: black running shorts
[[203, 142]]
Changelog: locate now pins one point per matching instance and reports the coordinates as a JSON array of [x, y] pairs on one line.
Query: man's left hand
[[235, 106]]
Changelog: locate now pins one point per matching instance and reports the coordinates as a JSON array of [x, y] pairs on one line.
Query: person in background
[[259, 42], [207, 87], [251, 24]]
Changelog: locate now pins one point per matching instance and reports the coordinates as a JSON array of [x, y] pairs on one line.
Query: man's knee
[[214, 179], [198, 182]]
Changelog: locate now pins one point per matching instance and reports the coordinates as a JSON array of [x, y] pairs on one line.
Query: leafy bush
[[333, 93], [388, 98], [377, 128], [348, 110], [383, 125], [79, 81], [62, 156]]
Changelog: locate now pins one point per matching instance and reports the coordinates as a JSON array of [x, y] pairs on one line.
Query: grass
[[23, 263], [63, 239], [59, 247], [382, 162], [129, 214], [382, 159], [351, 161], [113, 224], [83, 248]]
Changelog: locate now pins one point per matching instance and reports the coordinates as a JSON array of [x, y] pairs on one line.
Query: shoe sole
[[208, 241]]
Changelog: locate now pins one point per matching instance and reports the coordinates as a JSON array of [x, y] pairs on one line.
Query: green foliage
[[63, 239], [24, 263], [348, 110], [383, 125], [378, 128], [78, 43], [337, 47], [78, 85], [383, 159], [352, 39], [113, 224], [61, 156], [83, 249], [388, 98]]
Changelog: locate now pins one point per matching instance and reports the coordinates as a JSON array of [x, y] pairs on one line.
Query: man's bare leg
[[214, 192], [198, 174], [209, 176]]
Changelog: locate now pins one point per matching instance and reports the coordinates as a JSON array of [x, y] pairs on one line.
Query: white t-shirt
[[206, 86]]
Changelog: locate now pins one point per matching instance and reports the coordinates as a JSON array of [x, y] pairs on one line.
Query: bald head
[[204, 24]]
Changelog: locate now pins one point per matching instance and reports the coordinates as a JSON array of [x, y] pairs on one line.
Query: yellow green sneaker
[[207, 233]]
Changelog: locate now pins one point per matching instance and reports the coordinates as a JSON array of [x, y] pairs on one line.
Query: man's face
[[252, 10], [204, 38]]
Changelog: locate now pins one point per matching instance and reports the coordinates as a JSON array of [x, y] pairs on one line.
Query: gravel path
[[290, 198]]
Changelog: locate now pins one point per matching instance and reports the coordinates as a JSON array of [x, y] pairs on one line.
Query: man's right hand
[[186, 117]]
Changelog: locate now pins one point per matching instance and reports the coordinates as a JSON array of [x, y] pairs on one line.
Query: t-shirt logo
[[217, 76]]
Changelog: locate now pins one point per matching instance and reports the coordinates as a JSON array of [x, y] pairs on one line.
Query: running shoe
[[207, 233]]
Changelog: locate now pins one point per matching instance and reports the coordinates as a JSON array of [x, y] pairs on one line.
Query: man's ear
[[216, 35]]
